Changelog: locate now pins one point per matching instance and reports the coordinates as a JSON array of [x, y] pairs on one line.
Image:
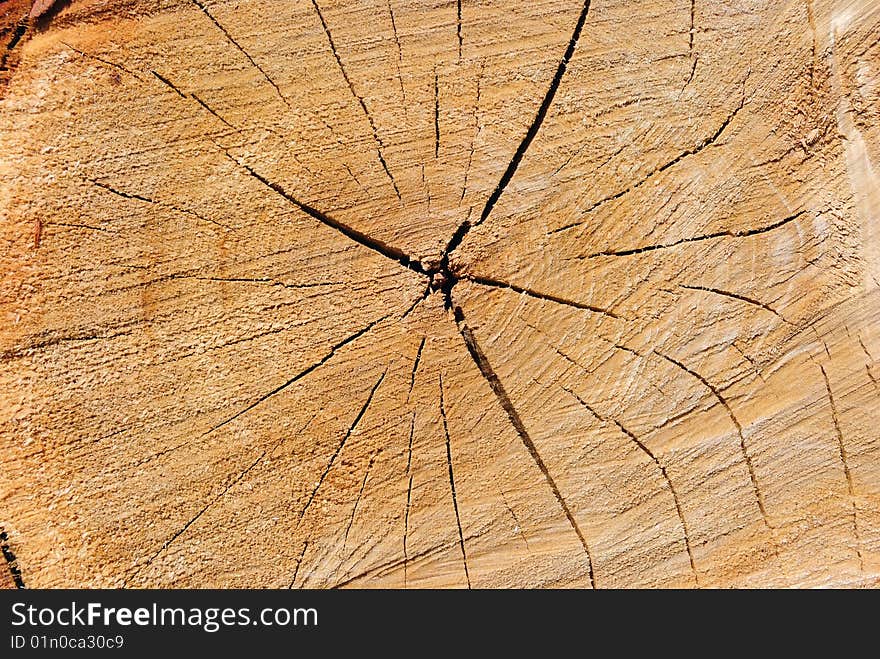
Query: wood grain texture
[[395, 293]]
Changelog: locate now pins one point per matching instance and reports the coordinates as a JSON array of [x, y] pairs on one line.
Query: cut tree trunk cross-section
[[400, 294]]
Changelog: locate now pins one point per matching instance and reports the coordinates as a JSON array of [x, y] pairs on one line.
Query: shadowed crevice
[[385, 568], [841, 447], [380, 147], [742, 233], [241, 49], [660, 466], [707, 142], [11, 560], [737, 296], [214, 500], [102, 60], [538, 295], [464, 559], [165, 81], [345, 439], [299, 561], [415, 368], [534, 127], [409, 489], [746, 455], [148, 200], [399, 54], [357, 500], [299, 375], [436, 115], [381, 248], [497, 388], [458, 25], [476, 134]]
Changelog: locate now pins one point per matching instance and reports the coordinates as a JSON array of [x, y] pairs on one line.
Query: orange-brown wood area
[[395, 293]]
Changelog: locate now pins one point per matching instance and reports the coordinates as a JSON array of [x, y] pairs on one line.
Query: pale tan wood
[[394, 293]]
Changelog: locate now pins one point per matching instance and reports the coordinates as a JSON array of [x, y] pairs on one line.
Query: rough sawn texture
[[410, 294]]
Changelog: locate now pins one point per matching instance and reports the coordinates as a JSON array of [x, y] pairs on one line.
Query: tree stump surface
[[409, 294]]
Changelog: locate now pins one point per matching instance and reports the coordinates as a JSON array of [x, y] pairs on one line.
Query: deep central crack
[[11, 561], [442, 278]]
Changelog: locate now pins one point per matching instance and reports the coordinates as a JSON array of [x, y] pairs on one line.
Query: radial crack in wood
[[398, 294]]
